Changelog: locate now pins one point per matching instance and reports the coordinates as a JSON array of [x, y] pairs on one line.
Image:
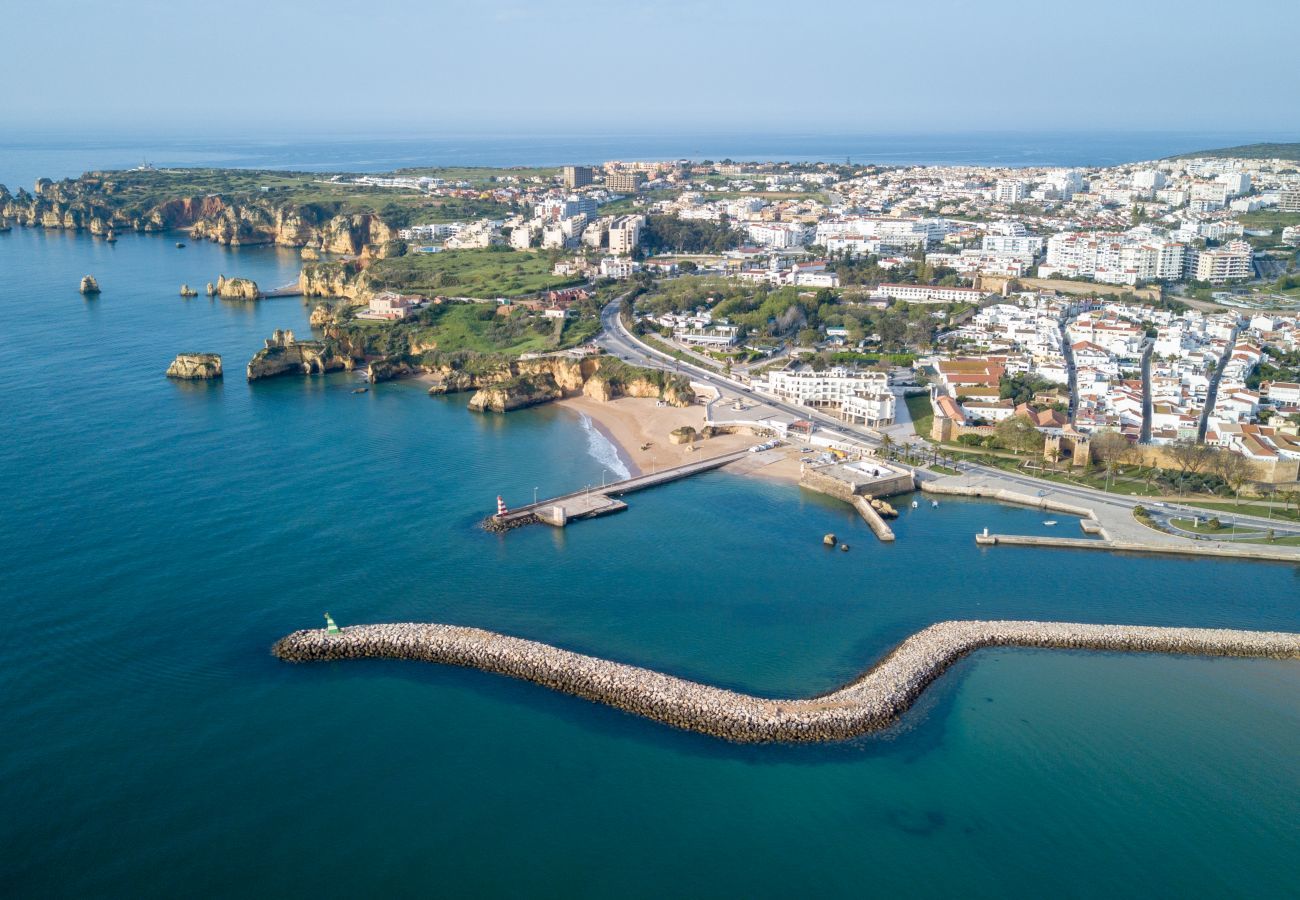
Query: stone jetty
[[871, 702]]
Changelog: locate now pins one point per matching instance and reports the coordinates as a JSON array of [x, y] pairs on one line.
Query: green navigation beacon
[[330, 627]]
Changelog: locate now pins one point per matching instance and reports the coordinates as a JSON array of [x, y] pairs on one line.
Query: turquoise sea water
[[157, 537]]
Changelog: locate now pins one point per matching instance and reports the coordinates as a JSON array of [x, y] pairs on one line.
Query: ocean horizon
[[26, 156]]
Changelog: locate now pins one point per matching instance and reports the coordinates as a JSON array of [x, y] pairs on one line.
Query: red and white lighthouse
[[501, 507]]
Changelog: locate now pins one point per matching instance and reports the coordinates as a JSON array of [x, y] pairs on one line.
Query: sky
[[497, 66]]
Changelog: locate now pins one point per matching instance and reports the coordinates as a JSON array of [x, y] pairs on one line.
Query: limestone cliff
[[516, 393], [332, 279], [195, 366], [98, 202], [237, 288], [284, 355]]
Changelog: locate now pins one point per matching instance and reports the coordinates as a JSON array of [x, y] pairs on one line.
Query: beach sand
[[640, 428]]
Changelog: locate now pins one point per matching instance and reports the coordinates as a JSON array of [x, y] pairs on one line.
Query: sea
[[157, 537], [28, 155]]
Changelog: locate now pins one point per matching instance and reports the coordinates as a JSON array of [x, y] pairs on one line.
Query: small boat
[[934, 504], [179, 245], [361, 390], [915, 504], [1049, 522]]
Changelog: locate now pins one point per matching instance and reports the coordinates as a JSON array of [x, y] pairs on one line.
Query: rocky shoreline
[[872, 702]]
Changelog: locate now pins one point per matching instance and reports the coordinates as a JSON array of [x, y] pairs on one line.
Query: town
[[1155, 301]]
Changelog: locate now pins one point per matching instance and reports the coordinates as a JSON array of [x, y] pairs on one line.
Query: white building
[[1011, 190], [777, 235], [625, 234], [866, 394], [920, 293], [1231, 262]]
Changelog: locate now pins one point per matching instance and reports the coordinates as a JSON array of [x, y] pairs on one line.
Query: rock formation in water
[[187, 291], [195, 366], [284, 355], [237, 288], [89, 285]]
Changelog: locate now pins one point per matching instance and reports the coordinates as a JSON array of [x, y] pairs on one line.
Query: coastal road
[[616, 339]]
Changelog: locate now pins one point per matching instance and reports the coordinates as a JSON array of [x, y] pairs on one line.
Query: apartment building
[[623, 182], [1231, 262], [577, 176], [625, 234], [866, 394]]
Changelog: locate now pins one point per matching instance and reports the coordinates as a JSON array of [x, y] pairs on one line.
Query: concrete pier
[[1223, 550], [869, 703], [599, 501], [873, 519]]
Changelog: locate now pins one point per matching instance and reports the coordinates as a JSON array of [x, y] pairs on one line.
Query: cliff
[[332, 279], [512, 384], [516, 393], [195, 366], [237, 288], [104, 201], [283, 355]]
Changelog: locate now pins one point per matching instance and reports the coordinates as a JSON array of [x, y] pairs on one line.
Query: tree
[[1190, 457], [1110, 448], [1018, 434], [1233, 468]]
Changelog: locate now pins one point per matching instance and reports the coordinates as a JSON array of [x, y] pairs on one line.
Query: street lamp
[[534, 496]]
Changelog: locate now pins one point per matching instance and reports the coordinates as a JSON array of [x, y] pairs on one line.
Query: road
[[1212, 393], [616, 339]]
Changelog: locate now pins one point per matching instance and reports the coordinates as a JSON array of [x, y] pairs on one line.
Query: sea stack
[[89, 285], [195, 366], [212, 289], [237, 288], [187, 291]]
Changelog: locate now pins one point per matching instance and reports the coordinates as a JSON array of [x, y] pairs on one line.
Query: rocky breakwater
[[195, 366], [284, 355], [237, 288], [871, 702]]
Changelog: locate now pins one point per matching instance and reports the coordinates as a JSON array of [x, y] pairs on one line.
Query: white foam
[[602, 449]]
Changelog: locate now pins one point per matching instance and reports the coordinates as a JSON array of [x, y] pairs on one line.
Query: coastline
[[639, 430]]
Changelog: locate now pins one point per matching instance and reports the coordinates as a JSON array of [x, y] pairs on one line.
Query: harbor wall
[[967, 490], [869, 703], [1185, 548]]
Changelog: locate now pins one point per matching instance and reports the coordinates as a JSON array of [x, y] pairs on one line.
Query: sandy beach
[[640, 428]]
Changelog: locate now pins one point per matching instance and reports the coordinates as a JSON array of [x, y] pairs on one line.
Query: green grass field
[[918, 407], [310, 191], [483, 274], [475, 327]]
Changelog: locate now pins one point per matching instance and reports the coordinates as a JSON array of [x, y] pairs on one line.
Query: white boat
[[934, 504], [1049, 522], [915, 504]]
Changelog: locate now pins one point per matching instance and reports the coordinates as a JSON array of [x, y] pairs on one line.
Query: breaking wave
[[603, 450]]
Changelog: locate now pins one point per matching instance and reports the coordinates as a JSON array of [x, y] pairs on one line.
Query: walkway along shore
[[871, 702]]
